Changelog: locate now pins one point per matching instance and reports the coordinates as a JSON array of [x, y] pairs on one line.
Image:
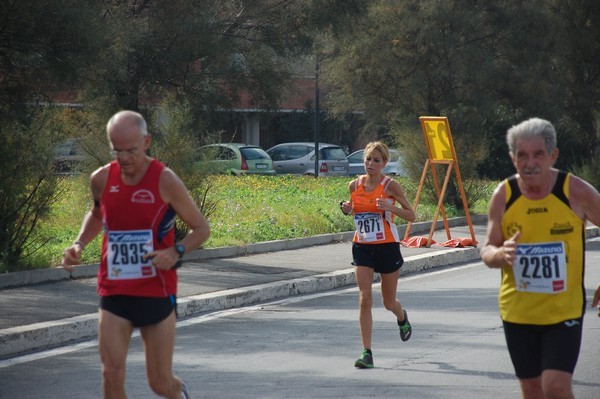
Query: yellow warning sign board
[[440, 148], [438, 138]]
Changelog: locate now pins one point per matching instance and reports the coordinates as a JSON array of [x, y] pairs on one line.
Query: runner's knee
[[113, 376], [556, 384], [162, 385], [366, 300], [390, 304]]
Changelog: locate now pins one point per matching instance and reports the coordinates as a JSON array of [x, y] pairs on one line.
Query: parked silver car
[[393, 168], [299, 159]]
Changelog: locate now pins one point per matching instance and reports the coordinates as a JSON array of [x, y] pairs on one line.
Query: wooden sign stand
[[440, 148]]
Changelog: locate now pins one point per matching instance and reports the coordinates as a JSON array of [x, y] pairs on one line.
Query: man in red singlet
[[136, 199], [376, 247]]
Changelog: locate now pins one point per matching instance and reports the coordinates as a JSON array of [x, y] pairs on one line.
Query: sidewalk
[[49, 308]]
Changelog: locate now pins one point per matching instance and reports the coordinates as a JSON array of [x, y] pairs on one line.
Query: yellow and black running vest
[[545, 286]]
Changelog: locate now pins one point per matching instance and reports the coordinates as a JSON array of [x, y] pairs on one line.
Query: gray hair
[[137, 118], [529, 129]]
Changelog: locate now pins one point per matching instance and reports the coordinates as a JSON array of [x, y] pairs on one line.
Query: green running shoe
[[365, 361], [405, 328]]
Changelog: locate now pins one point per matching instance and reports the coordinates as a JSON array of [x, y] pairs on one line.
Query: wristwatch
[[180, 250]]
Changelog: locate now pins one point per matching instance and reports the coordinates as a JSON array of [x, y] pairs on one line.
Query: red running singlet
[[136, 221]]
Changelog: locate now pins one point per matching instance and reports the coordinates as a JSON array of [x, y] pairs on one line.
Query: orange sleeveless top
[[373, 226]]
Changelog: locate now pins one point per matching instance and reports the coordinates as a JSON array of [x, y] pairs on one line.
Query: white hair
[[137, 117]]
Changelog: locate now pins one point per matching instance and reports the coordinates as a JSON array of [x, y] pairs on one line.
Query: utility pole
[[317, 113]]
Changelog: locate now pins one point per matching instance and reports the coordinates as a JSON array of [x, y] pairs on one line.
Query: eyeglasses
[[130, 152]]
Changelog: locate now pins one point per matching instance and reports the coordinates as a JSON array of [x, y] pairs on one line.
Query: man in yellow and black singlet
[[536, 236]]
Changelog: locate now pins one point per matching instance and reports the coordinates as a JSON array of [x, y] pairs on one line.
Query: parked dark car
[[235, 158], [299, 159]]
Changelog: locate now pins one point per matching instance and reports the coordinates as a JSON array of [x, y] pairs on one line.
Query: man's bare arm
[[497, 252], [92, 222], [174, 192]]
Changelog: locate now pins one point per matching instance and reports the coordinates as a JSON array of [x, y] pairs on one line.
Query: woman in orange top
[[376, 247]]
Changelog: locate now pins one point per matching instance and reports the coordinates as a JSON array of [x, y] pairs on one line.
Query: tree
[[206, 52], [42, 45], [479, 63], [28, 186], [577, 29]]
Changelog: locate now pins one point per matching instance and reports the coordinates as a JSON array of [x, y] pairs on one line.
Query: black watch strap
[[180, 250]]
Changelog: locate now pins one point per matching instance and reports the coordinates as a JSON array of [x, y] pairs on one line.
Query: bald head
[[128, 137], [124, 121]]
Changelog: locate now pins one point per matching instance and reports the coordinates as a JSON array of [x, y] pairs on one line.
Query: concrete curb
[[37, 276], [265, 292], [39, 336]]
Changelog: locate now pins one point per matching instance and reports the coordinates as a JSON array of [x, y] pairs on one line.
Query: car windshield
[[252, 153], [356, 157], [332, 153], [212, 153], [298, 151]]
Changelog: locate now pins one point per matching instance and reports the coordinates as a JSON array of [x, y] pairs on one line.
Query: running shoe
[[405, 327], [365, 361], [184, 390]]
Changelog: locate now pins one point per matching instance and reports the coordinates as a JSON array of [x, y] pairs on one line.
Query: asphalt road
[[305, 347]]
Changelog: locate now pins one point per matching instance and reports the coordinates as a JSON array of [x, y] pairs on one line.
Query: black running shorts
[[140, 311], [382, 258], [535, 348]]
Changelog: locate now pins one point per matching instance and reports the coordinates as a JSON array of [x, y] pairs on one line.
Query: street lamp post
[[317, 112]]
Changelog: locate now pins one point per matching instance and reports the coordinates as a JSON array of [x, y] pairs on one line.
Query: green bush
[[28, 185]]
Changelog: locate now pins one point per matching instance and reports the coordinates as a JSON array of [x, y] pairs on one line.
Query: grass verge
[[248, 209]]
